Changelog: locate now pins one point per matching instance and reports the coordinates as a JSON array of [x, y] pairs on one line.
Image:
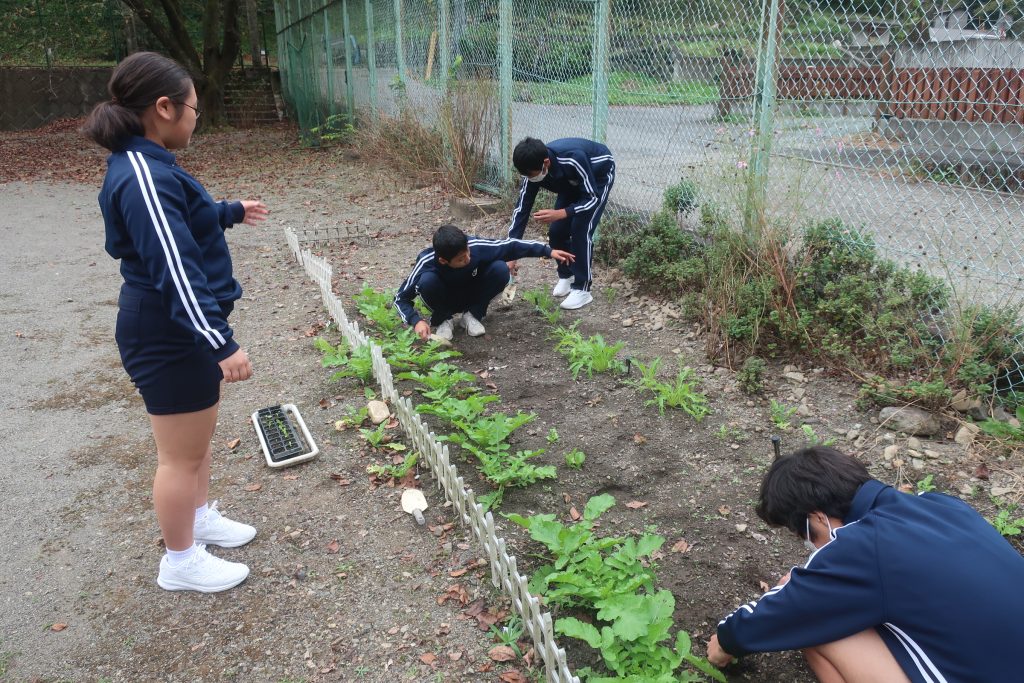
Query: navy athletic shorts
[[170, 368]]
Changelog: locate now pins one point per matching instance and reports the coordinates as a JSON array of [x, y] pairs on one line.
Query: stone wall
[[34, 96]]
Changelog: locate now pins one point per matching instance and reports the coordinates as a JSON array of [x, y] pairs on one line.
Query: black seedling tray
[[283, 439]]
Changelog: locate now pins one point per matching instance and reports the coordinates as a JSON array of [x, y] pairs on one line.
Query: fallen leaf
[[58, 626], [333, 546], [501, 653], [455, 656], [513, 676], [457, 573], [428, 658], [342, 481], [764, 586], [724, 510], [681, 546], [906, 488], [639, 439], [233, 444], [574, 514], [325, 403], [253, 487], [491, 385], [636, 504], [982, 472], [291, 477], [393, 630]]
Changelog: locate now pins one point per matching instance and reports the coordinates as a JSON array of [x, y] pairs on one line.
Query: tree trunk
[[254, 32]]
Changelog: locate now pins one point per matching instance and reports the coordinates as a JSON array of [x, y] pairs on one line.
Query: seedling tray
[[283, 435]]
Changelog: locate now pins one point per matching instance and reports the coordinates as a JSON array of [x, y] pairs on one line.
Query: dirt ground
[[343, 585]]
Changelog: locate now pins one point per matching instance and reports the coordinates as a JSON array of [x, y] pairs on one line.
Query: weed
[[468, 125], [727, 433], [751, 376], [440, 382], [394, 471], [5, 661], [353, 417], [337, 129], [926, 485], [1004, 522], [545, 305], [681, 394], [812, 437], [610, 294], [591, 354], [1004, 430], [356, 363], [379, 439], [878, 391], [664, 259], [458, 410], [681, 197], [509, 634], [781, 414], [575, 458], [552, 436]]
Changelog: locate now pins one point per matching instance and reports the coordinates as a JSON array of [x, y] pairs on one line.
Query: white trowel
[[414, 503]]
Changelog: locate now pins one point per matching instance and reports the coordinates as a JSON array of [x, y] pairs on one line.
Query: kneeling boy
[[461, 275]]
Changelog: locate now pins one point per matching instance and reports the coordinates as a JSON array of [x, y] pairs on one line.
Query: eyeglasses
[[195, 109]]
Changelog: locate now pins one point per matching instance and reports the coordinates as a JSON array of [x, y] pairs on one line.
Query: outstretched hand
[[716, 655], [563, 256], [255, 211], [423, 330], [550, 215]]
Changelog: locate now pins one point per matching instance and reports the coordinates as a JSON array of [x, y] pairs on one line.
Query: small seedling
[[588, 355], [379, 438], [727, 433], [394, 471], [681, 395], [1005, 522], [509, 634], [545, 305], [353, 418], [610, 294], [812, 437], [781, 414], [575, 459], [552, 436], [926, 485]]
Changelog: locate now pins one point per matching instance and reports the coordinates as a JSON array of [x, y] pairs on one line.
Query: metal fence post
[[399, 47], [371, 58], [764, 119], [505, 86], [599, 69], [443, 50], [329, 57], [350, 94]]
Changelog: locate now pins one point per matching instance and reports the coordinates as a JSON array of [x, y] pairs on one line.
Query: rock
[[379, 411], [962, 403], [897, 462], [966, 490], [917, 463], [890, 452], [803, 410], [741, 527], [721, 371], [795, 376], [909, 420], [628, 322], [789, 368], [965, 435], [889, 437], [998, 491], [677, 350], [657, 326], [798, 393], [933, 455], [470, 208], [999, 413], [978, 411], [852, 435], [914, 444]]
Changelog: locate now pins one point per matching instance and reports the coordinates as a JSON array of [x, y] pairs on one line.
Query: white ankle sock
[[176, 557], [201, 511]]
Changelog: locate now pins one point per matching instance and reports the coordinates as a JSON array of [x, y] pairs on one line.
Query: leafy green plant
[[356, 363], [379, 439], [781, 414], [440, 381], [879, 391], [588, 355], [353, 417], [337, 128], [926, 485], [552, 436], [681, 197], [727, 433], [662, 258], [545, 305], [681, 394], [509, 634], [1005, 522], [1004, 430], [575, 458], [751, 376], [458, 410], [395, 471], [812, 437]]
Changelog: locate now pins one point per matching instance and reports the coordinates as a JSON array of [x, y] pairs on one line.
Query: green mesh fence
[[904, 120]]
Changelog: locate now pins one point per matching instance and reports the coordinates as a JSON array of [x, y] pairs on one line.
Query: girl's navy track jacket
[[481, 252], [939, 584], [169, 236], [579, 169]]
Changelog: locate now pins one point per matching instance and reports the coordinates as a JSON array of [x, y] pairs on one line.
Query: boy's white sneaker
[[576, 299], [474, 328], [216, 529], [202, 572], [446, 330], [563, 287]]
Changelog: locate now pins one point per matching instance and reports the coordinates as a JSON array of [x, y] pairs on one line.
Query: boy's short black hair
[[818, 478], [529, 155], [449, 242]]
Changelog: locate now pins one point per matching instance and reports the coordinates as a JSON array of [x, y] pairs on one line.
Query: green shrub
[[681, 197], [662, 258], [751, 375]]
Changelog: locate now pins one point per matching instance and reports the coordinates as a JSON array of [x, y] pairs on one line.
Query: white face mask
[[807, 540], [540, 176]]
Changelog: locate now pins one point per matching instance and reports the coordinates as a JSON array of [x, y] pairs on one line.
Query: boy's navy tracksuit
[[581, 173], [941, 587], [447, 291]]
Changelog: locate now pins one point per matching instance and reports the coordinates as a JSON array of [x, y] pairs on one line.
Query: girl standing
[[172, 322]]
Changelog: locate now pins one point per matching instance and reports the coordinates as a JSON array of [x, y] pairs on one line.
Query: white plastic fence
[[504, 568]]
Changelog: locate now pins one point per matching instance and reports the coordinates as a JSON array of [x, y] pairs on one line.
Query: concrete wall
[[34, 96], [972, 54]]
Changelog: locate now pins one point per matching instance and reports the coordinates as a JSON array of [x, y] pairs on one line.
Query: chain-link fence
[[901, 119]]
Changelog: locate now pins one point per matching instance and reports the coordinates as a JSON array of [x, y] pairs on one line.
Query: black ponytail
[[137, 82]]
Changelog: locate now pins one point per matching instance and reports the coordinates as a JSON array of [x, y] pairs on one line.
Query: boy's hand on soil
[[513, 268], [550, 215], [236, 367], [255, 211], [716, 655], [562, 256], [423, 330]]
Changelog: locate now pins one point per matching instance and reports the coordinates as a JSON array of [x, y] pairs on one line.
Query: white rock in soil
[[741, 527], [909, 420], [657, 326], [934, 455], [890, 452], [889, 437], [965, 435], [803, 410], [852, 435], [914, 444], [628, 322], [799, 392], [998, 491], [917, 463], [966, 490], [677, 350], [795, 376], [378, 411], [789, 368]]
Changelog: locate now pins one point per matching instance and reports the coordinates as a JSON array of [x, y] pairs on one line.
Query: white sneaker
[[202, 572], [563, 287], [576, 299], [216, 529], [446, 330], [474, 328]]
